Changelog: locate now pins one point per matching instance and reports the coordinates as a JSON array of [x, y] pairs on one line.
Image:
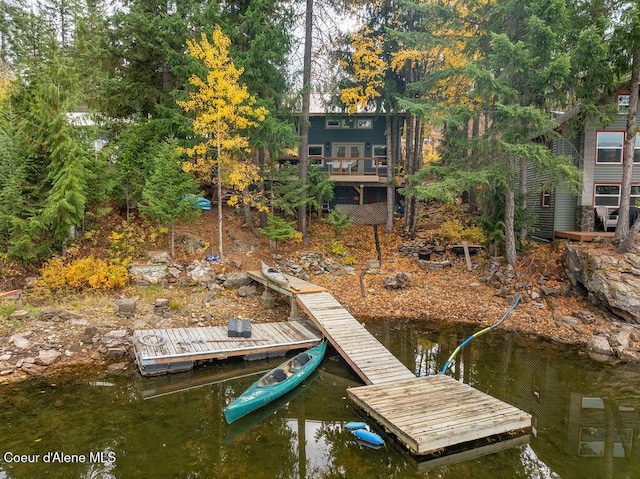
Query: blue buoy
[[369, 438], [352, 426]]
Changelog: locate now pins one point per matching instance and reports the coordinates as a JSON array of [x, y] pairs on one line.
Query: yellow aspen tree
[[223, 111], [368, 71]]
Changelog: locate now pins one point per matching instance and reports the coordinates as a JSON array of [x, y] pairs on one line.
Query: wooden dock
[[435, 412], [159, 351], [586, 236], [364, 353], [426, 414]]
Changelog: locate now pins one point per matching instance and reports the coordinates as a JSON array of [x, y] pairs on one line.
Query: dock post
[[295, 312]]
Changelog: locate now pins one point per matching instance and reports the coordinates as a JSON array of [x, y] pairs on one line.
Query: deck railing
[[342, 166]]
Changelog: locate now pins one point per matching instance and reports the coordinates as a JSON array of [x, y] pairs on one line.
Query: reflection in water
[[534, 467], [586, 421]]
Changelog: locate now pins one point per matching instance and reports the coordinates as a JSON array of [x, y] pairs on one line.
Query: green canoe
[[275, 383]]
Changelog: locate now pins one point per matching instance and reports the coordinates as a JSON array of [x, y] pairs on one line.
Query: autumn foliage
[[82, 274]]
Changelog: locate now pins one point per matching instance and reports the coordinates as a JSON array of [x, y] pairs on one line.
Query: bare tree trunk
[[173, 239], [219, 179], [262, 214], [473, 200], [409, 169], [622, 229], [303, 165], [522, 193], [248, 217], [390, 187], [630, 239], [509, 215], [417, 165]]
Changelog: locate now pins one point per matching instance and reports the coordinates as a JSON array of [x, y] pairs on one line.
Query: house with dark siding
[[352, 148], [596, 149]]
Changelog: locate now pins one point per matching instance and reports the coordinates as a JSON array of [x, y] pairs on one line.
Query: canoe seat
[[276, 376], [299, 361]]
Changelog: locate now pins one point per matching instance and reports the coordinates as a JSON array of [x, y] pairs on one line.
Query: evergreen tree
[[285, 192], [166, 194]]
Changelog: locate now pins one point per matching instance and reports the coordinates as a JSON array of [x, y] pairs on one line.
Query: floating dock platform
[[431, 413], [161, 351]]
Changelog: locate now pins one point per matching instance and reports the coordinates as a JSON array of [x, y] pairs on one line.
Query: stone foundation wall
[[585, 218]]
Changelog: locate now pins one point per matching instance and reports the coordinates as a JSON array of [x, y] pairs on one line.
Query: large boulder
[[201, 272], [399, 280], [612, 281], [149, 273], [235, 280]]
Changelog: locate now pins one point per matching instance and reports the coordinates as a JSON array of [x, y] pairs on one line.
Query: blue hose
[[475, 335]]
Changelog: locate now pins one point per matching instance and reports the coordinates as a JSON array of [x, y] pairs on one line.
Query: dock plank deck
[[364, 353], [435, 412], [154, 347], [299, 286]]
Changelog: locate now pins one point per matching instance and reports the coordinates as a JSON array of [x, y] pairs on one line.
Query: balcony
[[360, 170]]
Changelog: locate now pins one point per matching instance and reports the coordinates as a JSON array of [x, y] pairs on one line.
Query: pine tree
[[166, 194]]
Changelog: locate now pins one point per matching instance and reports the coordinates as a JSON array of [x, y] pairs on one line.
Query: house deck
[[586, 236]]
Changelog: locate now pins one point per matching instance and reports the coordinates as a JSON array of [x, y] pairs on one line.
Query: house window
[[623, 104], [316, 150], [609, 146], [635, 195], [636, 152], [545, 199], [379, 151], [364, 123], [607, 195], [341, 123]]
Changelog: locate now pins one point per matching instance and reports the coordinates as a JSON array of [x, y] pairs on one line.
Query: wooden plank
[[467, 257], [472, 454], [298, 286], [15, 294]]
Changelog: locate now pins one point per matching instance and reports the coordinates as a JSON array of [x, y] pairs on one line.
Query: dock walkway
[[364, 353]]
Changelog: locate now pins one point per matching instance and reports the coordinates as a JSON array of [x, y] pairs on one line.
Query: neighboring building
[[597, 150], [352, 148]]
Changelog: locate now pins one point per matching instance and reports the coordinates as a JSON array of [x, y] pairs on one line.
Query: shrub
[[337, 248], [456, 233], [339, 220], [84, 273], [349, 261], [279, 229]]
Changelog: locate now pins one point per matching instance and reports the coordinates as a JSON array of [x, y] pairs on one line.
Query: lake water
[[93, 425]]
